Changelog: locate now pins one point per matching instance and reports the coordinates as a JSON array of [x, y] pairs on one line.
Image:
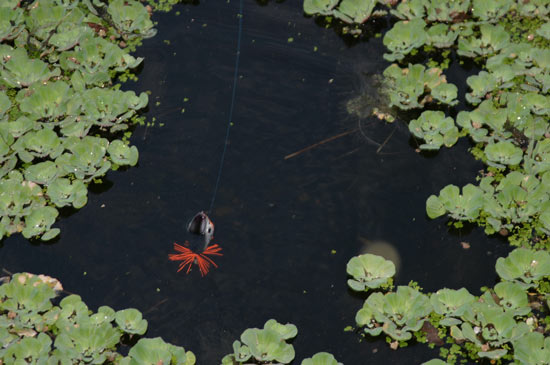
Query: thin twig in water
[[386, 140], [348, 153], [156, 305], [364, 135], [320, 143]]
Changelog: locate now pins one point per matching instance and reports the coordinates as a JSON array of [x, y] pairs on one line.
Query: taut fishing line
[[200, 225]]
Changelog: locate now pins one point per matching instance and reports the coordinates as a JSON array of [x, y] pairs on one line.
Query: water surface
[[287, 227]]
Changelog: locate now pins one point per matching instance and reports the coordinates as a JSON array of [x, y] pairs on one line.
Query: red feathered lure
[[203, 227]]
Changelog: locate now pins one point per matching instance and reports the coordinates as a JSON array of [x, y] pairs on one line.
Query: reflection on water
[[384, 249], [287, 227]]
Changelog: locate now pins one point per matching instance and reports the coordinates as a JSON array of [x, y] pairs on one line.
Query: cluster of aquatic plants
[[502, 323], [62, 121], [269, 345], [349, 11], [34, 330]]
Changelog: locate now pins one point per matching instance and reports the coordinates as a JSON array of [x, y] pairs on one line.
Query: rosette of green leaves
[[39, 223], [264, 345], [434, 129], [354, 11], [524, 267], [33, 350], [40, 144], [397, 314], [534, 8], [131, 18], [485, 123], [27, 298], [111, 108], [50, 100], [539, 104], [410, 9], [122, 154], [518, 198], [502, 154], [322, 7], [130, 321], [349, 11], [404, 37], [11, 21], [465, 206], [70, 334], [153, 351], [435, 362], [18, 200], [480, 84], [63, 192], [441, 35], [446, 11], [490, 328], [491, 10], [451, 304], [532, 348], [17, 70], [87, 342], [321, 358], [86, 159], [407, 85], [369, 271], [42, 173], [93, 59], [493, 38], [512, 298]]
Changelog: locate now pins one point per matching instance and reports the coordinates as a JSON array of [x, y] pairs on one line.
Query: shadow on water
[[287, 227]]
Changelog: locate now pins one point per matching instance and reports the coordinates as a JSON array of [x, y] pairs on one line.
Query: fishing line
[[233, 94]]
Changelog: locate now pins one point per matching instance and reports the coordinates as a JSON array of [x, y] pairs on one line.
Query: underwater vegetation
[[64, 123], [507, 117]]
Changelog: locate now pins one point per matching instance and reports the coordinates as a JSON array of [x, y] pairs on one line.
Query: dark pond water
[[277, 220]]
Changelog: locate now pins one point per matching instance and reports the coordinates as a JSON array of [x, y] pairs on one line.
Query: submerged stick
[[386, 140], [320, 143]]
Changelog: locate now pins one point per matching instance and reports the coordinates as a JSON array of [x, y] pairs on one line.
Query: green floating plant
[[153, 351], [130, 321], [524, 267], [451, 304], [403, 38], [465, 206], [490, 10], [435, 129], [33, 330], [493, 38], [489, 327], [348, 11], [321, 7], [397, 314], [532, 348], [58, 63], [355, 11], [410, 88], [503, 153], [369, 271], [321, 358], [264, 345], [131, 18]]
